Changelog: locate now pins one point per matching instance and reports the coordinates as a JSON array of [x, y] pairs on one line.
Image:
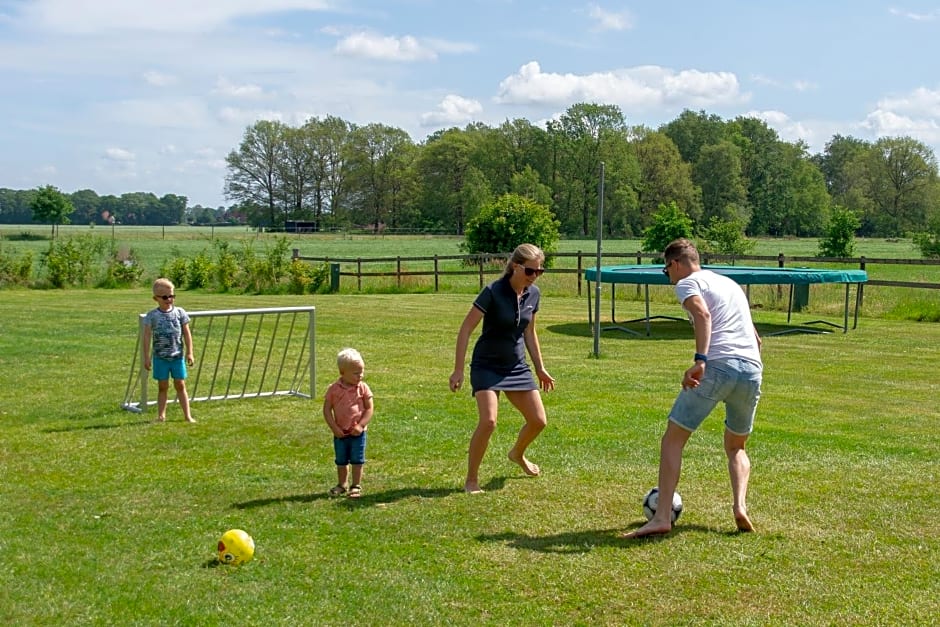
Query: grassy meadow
[[108, 518]]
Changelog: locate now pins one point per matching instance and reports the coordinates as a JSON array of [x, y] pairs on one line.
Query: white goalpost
[[239, 353]]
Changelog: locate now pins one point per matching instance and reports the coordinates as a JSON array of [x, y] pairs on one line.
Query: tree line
[[329, 173]]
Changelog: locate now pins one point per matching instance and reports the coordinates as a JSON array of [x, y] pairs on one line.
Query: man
[[726, 368]]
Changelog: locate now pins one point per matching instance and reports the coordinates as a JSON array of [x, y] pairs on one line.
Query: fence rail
[[489, 264]]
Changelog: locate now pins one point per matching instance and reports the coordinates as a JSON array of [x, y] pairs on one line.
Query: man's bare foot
[[652, 528], [190, 420], [472, 488], [160, 419], [527, 467], [743, 522]]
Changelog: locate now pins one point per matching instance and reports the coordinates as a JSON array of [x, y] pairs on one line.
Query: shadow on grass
[[587, 540], [113, 425], [669, 330], [377, 498]]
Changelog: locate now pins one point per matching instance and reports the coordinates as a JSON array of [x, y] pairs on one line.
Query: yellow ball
[[236, 547]]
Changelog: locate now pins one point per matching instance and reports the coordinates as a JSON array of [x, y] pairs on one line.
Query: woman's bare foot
[[472, 488], [743, 522], [527, 467], [652, 528]]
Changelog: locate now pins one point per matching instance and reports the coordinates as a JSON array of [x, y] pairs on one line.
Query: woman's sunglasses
[[533, 271]]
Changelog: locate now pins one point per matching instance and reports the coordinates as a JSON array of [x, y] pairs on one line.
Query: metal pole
[[597, 282]]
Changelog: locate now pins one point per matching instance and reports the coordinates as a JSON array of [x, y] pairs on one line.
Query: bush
[[123, 269], [726, 237], [226, 266], [175, 268], [509, 221], [669, 223], [840, 234], [304, 278], [15, 271], [71, 262]]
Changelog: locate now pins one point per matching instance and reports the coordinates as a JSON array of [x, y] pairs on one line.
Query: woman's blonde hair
[[522, 254]]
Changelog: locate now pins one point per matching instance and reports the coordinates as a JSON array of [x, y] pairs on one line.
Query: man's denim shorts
[[736, 382]]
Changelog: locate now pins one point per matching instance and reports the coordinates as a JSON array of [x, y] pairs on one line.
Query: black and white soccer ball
[[651, 502]]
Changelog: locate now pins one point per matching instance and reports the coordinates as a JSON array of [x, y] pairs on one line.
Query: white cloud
[[797, 85], [452, 110], [638, 88], [119, 154], [158, 79], [372, 46], [610, 20], [225, 87], [917, 17], [183, 113], [68, 16]]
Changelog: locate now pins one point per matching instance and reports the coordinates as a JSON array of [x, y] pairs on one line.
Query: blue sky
[[131, 95]]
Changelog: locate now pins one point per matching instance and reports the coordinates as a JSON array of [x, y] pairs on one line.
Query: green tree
[[724, 194], [840, 234], [52, 206], [509, 221], [902, 180], [664, 178], [726, 237], [255, 170], [669, 223]]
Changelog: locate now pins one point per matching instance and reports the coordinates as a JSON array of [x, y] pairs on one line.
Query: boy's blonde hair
[[348, 356], [162, 283]]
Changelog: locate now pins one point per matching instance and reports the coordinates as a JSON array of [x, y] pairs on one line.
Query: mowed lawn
[[110, 519]]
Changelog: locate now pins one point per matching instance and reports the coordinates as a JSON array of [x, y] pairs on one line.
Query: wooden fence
[[485, 266]]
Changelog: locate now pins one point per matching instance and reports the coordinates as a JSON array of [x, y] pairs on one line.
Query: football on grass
[[651, 502], [236, 547]]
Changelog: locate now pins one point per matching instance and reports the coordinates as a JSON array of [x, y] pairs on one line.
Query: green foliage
[[669, 223], [123, 268], [928, 242], [226, 265], [840, 234], [26, 236], [726, 237], [71, 262], [509, 221], [51, 205], [306, 278], [176, 268], [199, 271], [15, 271], [918, 309]]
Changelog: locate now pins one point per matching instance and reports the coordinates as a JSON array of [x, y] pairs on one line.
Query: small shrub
[[509, 221], [71, 262], [304, 278], [669, 223], [176, 269], [840, 234], [226, 266], [15, 271], [199, 271], [123, 270]]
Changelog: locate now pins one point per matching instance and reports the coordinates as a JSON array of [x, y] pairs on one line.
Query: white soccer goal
[[239, 353]]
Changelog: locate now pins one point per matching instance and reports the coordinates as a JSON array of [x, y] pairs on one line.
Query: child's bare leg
[[342, 474], [163, 389], [183, 397], [357, 474]]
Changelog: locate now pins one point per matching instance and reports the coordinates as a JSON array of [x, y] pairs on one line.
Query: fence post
[[780, 261], [295, 254], [398, 270], [481, 271], [579, 273], [861, 286], [435, 274], [359, 273], [639, 261]]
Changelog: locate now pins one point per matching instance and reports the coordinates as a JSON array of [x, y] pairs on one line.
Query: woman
[[507, 308]]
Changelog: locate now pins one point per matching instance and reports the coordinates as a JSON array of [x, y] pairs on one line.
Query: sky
[[125, 96]]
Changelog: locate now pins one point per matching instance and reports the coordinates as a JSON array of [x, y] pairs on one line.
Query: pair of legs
[[670, 467], [529, 404], [163, 389], [342, 476]]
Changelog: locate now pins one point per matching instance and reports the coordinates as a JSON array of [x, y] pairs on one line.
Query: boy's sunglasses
[[533, 271], [168, 296]]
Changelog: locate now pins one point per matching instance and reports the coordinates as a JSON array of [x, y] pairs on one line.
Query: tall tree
[[664, 178], [254, 170], [718, 173], [693, 130], [902, 177], [375, 163], [51, 205]]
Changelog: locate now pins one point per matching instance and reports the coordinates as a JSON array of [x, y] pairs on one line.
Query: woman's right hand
[[456, 380]]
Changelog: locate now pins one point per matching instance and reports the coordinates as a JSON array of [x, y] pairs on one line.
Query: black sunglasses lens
[[168, 297], [536, 271]]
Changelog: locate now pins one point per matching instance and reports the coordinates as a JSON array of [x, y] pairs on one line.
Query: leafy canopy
[[508, 221]]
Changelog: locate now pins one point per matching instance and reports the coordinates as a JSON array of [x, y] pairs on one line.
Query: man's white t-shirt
[[732, 328]]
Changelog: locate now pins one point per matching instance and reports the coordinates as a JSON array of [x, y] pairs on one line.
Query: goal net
[[239, 353]]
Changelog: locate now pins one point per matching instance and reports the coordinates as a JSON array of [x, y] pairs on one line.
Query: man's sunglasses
[[533, 271], [666, 269], [168, 296]]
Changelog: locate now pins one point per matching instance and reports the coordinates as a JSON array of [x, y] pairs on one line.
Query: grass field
[[110, 519]]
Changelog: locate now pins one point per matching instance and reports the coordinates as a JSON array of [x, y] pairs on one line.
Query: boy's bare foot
[[652, 528], [472, 488], [743, 522], [527, 467]]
